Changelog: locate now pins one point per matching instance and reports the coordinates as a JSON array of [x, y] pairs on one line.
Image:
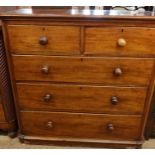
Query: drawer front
[[120, 41], [72, 125], [94, 99], [115, 71], [44, 39]]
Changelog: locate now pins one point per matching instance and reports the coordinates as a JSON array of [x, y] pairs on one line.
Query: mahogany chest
[[79, 79]]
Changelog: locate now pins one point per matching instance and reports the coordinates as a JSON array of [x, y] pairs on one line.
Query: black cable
[[147, 8]]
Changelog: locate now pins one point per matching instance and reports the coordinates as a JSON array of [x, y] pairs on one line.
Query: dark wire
[[125, 7]]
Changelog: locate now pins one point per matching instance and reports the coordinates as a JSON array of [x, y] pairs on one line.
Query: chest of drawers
[[81, 79], [7, 113]]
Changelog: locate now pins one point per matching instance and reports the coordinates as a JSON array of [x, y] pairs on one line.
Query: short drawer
[[27, 39], [84, 126], [115, 71], [80, 98], [120, 41]]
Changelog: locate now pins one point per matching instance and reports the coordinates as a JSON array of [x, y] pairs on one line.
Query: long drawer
[[72, 125], [114, 71], [33, 39], [120, 41], [80, 98]]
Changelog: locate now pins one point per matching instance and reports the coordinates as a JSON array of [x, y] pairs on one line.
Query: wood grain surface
[[24, 39], [104, 41], [81, 98], [83, 70], [80, 125]]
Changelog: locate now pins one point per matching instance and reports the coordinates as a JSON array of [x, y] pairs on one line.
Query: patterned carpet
[[7, 143]]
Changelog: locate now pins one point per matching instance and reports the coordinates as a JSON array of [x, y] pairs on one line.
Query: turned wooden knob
[[110, 127], [49, 124], [43, 40], [114, 100], [45, 70], [117, 72], [47, 97], [121, 42]]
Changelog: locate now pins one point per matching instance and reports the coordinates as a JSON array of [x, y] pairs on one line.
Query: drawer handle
[[43, 40], [114, 100], [45, 70], [110, 127], [118, 72], [50, 124], [121, 42], [47, 97]]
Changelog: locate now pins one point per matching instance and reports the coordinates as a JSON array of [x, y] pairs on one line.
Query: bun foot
[[12, 134]]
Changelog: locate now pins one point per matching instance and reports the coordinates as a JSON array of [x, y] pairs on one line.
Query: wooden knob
[[49, 124], [117, 72], [47, 97], [110, 127], [114, 100], [121, 42], [45, 70], [43, 40]]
